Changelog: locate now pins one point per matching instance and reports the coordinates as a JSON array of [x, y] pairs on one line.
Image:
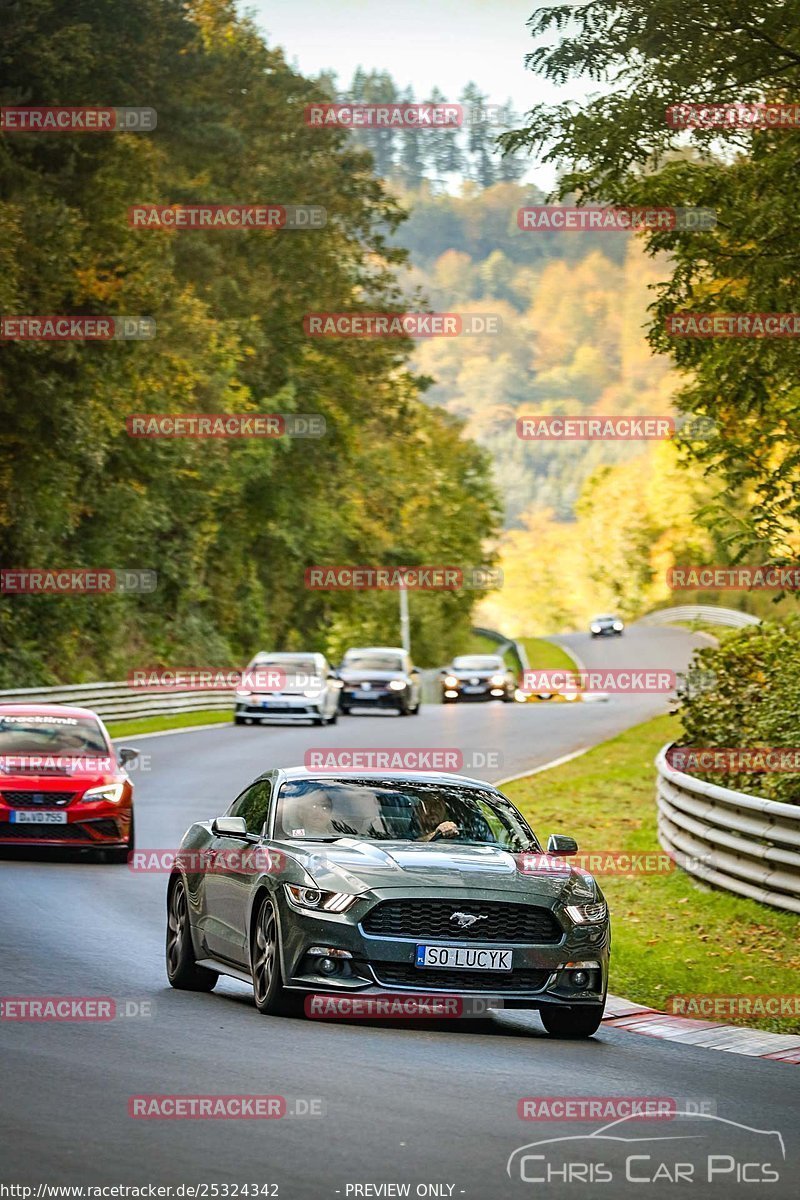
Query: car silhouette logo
[[467, 920], [366, 686]]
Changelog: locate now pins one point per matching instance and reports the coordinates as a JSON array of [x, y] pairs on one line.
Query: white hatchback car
[[288, 687]]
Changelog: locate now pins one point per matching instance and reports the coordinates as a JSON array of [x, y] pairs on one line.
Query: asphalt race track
[[431, 1103]]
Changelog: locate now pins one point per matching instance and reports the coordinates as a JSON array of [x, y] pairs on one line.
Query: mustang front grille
[[448, 920]]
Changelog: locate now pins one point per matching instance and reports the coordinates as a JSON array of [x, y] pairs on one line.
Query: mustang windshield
[[397, 811], [34, 734]]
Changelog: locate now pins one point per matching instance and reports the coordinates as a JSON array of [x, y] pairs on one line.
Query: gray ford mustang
[[379, 884]]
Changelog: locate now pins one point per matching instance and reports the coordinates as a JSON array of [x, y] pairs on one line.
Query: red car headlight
[[112, 792]]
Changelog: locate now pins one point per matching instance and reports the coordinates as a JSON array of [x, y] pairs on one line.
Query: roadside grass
[[672, 935], [547, 656], [119, 729]]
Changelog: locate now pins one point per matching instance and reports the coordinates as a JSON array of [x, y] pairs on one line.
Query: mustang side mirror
[[126, 754], [229, 827], [559, 843]]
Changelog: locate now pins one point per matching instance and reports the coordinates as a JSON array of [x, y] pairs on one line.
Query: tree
[[230, 527], [618, 148]]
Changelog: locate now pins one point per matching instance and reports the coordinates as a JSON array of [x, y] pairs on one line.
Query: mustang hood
[[352, 865]]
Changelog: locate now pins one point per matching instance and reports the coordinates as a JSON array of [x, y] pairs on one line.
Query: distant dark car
[[380, 677], [606, 627], [478, 677]]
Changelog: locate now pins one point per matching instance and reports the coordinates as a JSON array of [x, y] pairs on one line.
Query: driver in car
[[433, 819]]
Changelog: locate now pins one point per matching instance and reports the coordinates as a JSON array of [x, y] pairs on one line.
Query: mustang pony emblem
[[466, 920]]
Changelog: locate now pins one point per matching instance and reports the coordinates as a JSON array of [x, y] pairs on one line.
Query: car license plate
[[38, 816], [465, 958], [471, 688]]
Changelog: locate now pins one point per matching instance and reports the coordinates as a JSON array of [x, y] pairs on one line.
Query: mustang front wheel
[[572, 1022], [182, 970], [270, 995]]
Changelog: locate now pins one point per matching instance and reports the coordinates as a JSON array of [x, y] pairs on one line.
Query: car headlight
[[586, 914], [450, 681], [618, 625], [112, 792], [497, 680], [397, 685], [312, 694], [595, 628], [241, 693], [314, 900]]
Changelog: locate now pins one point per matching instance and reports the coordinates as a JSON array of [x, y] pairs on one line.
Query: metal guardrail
[[701, 612], [120, 701], [503, 643], [743, 844]]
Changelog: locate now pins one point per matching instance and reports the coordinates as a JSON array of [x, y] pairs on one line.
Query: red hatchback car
[[61, 781]]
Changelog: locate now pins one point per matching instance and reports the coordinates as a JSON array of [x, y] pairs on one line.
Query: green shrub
[[745, 693]]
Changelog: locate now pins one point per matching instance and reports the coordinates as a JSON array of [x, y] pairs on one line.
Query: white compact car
[[288, 687]]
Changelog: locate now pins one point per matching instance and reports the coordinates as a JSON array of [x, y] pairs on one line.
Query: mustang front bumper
[[380, 964]]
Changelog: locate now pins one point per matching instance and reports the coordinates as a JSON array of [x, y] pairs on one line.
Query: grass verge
[[547, 656], [119, 729], [671, 933]]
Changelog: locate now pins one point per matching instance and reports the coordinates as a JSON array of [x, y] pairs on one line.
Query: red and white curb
[[711, 1035]]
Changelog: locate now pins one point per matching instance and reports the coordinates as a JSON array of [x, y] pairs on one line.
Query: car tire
[[415, 709], [271, 997], [344, 710], [333, 718], [238, 720], [572, 1022], [319, 720], [183, 972]]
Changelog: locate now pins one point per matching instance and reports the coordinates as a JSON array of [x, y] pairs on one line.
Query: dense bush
[[749, 695]]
